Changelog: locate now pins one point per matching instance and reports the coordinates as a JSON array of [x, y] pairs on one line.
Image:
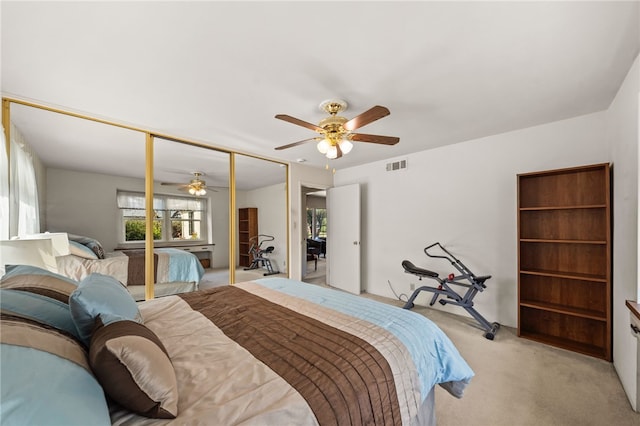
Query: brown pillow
[[134, 368]]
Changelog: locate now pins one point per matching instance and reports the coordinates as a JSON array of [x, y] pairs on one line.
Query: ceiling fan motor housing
[[334, 128]]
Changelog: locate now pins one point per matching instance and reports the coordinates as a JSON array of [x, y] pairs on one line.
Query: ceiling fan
[[196, 186], [336, 132]]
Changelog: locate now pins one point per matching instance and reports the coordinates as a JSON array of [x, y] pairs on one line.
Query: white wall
[[85, 204], [219, 226], [622, 137], [463, 196]]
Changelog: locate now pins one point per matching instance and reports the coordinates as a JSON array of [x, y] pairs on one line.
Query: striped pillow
[[36, 307], [80, 250], [39, 281], [92, 243], [46, 377], [134, 368]]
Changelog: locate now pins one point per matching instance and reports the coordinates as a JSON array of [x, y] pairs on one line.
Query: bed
[[269, 351], [176, 271]]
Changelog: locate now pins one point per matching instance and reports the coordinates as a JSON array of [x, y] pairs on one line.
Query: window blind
[[136, 201]]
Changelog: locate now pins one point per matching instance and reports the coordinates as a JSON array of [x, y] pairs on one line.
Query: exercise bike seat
[[480, 280], [413, 269]]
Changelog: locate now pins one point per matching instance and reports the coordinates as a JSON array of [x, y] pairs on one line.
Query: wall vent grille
[[397, 165]]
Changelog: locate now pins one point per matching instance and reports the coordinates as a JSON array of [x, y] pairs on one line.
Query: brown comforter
[[344, 379], [250, 355]]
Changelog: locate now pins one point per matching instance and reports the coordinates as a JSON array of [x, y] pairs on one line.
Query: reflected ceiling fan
[[336, 132], [196, 186]]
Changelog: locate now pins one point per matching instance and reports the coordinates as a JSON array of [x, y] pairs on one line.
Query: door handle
[[355, 243]]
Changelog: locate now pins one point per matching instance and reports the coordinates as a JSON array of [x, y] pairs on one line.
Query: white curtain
[[24, 186], [4, 189]]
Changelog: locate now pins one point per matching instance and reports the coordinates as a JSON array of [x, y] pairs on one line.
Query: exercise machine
[[466, 278], [259, 254]]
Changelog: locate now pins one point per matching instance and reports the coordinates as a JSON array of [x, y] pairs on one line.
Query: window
[[175, 218], [316, 223]]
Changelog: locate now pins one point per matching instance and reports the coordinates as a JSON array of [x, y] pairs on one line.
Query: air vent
[[397, 165]]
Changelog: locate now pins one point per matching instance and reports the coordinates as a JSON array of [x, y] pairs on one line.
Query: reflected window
[[185, 224], [175, 218], [135, 227]]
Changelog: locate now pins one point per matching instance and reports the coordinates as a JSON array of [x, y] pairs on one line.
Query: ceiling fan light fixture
[[192, 190], [323, 146], [346, 146], [332, 152]]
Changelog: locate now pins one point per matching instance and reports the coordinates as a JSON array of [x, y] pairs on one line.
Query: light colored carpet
[[519, 382], [217, 277]]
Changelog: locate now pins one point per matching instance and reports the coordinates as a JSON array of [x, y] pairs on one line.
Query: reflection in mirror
[[86, 177], [191, 187], [78, 165], [261, 218]]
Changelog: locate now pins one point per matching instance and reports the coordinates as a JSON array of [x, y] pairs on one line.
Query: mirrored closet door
[[261, 218], [79, 165], [89, 179], [191, 183]]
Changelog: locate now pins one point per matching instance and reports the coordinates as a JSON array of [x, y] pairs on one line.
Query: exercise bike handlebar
[[257, 238], [449, 257]]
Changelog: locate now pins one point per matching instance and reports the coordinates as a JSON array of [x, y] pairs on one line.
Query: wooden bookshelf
[[564, 259], [247, 229]]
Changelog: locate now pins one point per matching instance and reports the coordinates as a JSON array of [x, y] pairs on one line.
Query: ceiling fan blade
[[291, 145], [385, 140], [369, 116], [299, 122], [172, 183]]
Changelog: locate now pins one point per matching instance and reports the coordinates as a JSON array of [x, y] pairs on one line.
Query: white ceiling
[[218, 72]]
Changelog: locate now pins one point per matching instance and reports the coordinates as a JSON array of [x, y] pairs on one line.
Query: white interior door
[[343, 238]]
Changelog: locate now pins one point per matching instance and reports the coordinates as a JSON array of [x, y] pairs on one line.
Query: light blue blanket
[[436, 358], [183, 265]]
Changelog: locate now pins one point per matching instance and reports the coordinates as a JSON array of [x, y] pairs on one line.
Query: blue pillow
[[103, 296], [39, 308], [46, 378]]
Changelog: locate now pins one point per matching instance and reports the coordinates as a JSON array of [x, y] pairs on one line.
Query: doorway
[[314, 237]]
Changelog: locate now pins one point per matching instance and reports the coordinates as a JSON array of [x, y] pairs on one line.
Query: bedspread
[[171, 265], [255, 353]]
